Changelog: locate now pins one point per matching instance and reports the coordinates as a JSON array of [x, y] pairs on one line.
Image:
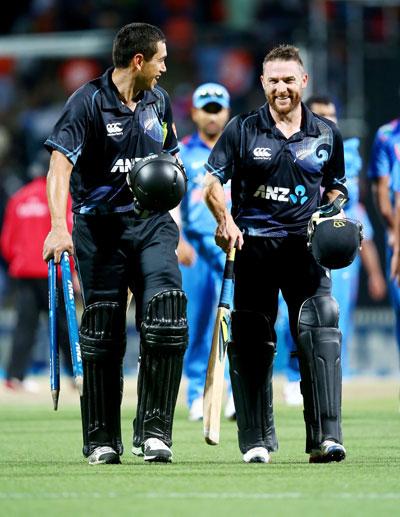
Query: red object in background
[[179, 31], [76, 72], [25, 227], [179, 5], [7, 65], [217, 11], [329, 7], [236, 70], [375, 27]]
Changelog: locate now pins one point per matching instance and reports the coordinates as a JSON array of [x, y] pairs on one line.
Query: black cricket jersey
[[103, 138], [276, 181]]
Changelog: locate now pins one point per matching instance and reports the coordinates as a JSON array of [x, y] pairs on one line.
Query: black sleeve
[[170, 139], [71, 129], [333, 171], [222, 158]]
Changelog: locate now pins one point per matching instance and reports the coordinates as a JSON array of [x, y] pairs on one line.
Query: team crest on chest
[[114, 129], [262, 153]]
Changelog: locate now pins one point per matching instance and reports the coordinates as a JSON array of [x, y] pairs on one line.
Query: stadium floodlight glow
[[57, 44]]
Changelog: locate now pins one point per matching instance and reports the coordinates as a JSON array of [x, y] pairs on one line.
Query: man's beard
[[295, 100]]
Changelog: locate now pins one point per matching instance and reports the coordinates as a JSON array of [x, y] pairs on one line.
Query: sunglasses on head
[[202, 94]]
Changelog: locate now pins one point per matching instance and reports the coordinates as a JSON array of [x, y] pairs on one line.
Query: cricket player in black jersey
[[107, 125], [278, 158]]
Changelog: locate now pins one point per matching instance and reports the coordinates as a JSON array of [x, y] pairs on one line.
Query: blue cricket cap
[[208, 93]]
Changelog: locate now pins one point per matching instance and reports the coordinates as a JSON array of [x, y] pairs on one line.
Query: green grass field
[[43, 473]]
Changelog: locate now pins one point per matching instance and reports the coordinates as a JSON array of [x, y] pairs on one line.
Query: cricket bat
[[128, 300], [214, 386]]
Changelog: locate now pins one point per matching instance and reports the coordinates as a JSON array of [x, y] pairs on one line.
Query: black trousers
[[117, 251], [114, 252], [267, 265], [31, 300], [262, 268]]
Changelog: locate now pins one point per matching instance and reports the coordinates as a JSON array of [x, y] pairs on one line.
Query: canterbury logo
[[339, 224], [114, 129], [262, 153]]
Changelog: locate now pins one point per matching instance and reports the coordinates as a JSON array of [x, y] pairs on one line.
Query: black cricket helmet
[[335, 242], [158, 182]]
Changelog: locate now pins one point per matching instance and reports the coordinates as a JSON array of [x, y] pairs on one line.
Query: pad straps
[[319, 344], [164, 337], [103, 342]]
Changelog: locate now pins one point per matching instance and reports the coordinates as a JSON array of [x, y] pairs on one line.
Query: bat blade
[[128, 300], [214, 386]]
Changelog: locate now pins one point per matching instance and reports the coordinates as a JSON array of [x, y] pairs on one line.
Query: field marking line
[[195, 495]]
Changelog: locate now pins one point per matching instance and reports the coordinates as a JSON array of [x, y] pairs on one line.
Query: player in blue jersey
[[202, 261], [382, 169], [395, 260], [278, 157], [344, 281], [107, 125]]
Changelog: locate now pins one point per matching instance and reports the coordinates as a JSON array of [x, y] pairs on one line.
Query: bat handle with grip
[[227, 283]]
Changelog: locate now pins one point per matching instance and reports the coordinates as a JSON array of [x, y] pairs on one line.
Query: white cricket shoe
[[155, 450], [257, 455], [30, 386], [328, 451], [230, 411], [292, 394], [103, 455], [196, 410], [137, 451], [26, 385]]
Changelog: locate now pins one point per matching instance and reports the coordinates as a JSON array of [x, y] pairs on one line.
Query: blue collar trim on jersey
[[308, 124], [110, 99]]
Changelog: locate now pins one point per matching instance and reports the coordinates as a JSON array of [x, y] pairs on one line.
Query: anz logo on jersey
[[282, 194], [124, 164]]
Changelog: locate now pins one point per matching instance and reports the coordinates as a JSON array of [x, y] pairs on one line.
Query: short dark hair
[[284, 52], [135, 38], [318, 99]]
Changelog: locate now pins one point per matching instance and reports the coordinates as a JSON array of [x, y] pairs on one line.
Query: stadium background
[[351, 48]]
